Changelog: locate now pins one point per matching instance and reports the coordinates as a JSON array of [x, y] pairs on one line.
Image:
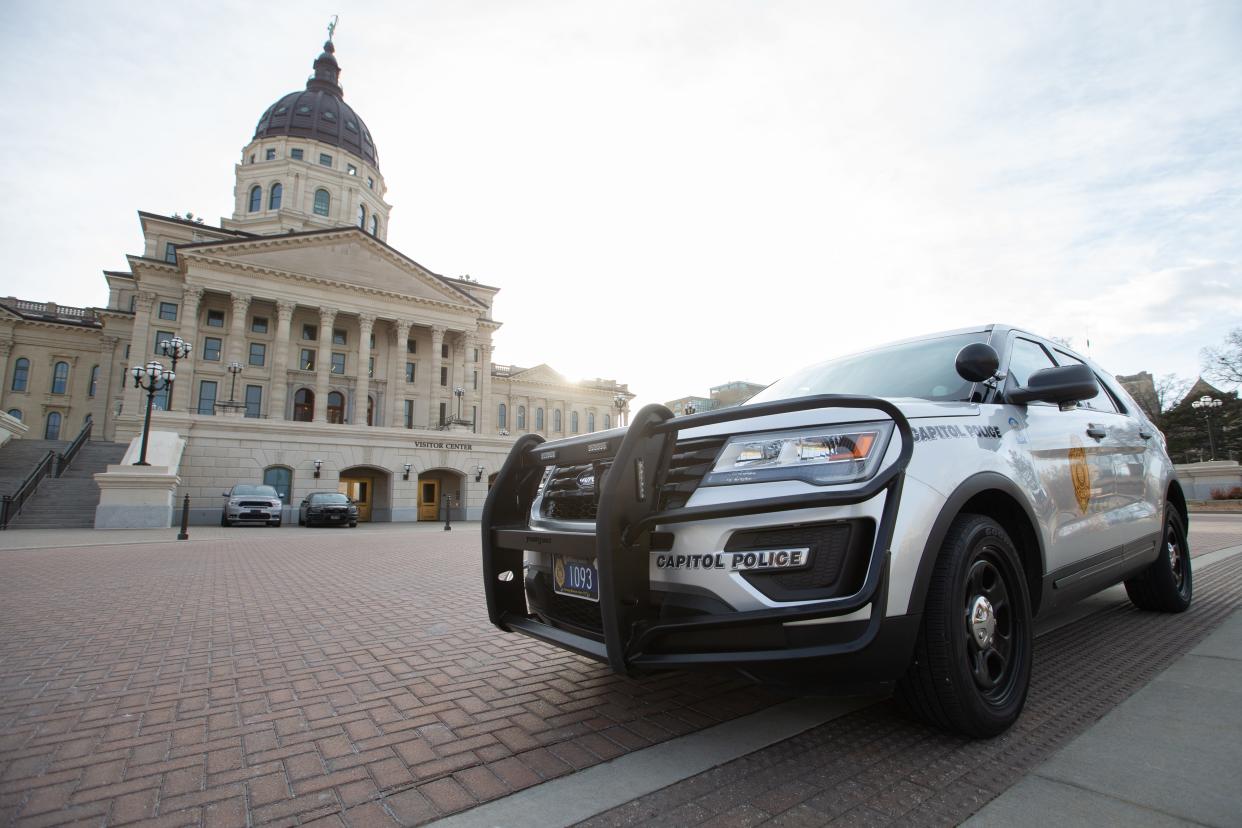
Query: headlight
[[821, 456]]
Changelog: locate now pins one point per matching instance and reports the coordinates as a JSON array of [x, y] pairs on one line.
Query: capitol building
[[355, 368]]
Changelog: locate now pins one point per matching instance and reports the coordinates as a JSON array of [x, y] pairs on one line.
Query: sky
[[681, 194]]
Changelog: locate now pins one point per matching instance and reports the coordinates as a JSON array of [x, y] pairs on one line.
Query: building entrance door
[[429, 500], [361, 490]]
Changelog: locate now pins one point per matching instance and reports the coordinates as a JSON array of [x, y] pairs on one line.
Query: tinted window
[[257, 491], [328, 497], [923, 369], [1026, 358]]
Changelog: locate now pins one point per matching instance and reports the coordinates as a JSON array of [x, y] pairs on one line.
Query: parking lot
[[256, 676]]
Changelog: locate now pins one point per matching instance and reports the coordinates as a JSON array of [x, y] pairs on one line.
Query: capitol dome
[[320, 113]]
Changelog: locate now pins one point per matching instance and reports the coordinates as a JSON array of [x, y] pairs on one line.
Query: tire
[[224, 521], [275, 523], [972, 678], [1167, 585], [300, 521], [353, 525]]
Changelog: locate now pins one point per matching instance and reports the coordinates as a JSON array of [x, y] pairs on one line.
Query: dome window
[[273, 200], [256, 198], [322, 202], [329, 116], [295, 154], [269, 154], [374, 225], [351, 126], [304, 110], [281, 110], [362, 216]]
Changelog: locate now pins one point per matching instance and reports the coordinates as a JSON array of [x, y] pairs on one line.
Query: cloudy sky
[[679, 194]]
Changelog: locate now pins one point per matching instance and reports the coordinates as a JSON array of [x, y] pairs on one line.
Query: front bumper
[[634, 635], [252, 513]]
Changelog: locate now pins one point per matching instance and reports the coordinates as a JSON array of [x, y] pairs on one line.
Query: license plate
[[254, 514], [576, 578], [334, 517]]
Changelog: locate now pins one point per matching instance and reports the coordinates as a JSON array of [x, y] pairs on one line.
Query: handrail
[[66, 457], [11, 505]]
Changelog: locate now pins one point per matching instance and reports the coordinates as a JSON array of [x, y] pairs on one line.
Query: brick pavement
[[280, 677]]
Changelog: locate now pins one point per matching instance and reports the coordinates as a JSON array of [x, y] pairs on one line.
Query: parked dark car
[[251, 503], [327, 509]]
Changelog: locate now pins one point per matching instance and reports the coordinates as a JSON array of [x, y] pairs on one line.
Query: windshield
[[329, 497], [249, 491], [924, 369]]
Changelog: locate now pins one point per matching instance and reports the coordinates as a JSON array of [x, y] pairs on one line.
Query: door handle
[[1145, 434], [1096, 431]]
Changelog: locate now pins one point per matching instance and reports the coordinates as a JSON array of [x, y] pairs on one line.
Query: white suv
[[896, 515]]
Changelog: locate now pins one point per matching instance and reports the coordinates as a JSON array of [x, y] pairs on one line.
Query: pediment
[[540, 373], [349, 259]]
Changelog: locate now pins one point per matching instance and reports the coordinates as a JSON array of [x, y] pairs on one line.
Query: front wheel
[[972, 659], [224, 521], [1166, 585]]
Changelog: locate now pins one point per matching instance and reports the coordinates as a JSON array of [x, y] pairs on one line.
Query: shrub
[[1232, 494]]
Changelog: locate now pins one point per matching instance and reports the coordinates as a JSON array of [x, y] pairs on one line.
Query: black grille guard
[[621, 545]]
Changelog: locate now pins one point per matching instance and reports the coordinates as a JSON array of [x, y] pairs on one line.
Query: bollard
[[448, 513], [185, 519]]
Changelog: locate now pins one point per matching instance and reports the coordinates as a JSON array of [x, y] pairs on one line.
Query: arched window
[[336, 407], [94, 383], [322, 202], [52, 432], [279, 478], [538, 419], [521, 418], [503, 418], [16, 414], [256, 198], [590, 421], [573, 422], [607, 421], [374, 225], [304, 405], [362, 216], [556, 420], [60, 377], [21, 374], [273, 199]]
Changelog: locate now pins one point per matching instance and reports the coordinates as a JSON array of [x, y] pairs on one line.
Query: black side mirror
[[1062, 385], [224, 494], [977, 362]]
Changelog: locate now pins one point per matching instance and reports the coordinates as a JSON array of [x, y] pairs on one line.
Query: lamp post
[[175, 349], [688, 409], [619, 402], [157, 380], [1206, 404], [459, 392]]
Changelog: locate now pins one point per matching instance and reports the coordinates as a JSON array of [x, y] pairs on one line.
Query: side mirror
[[304, 502], [977, 362], [224, 494], [1062, 385]]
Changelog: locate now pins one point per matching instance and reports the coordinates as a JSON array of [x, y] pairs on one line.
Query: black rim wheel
[[989, 626], [1178, 559]]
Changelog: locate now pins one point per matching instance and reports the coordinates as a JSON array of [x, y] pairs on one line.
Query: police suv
[[898, 515]]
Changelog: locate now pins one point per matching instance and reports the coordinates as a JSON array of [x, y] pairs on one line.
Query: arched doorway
[[371, 488], [440, 489]]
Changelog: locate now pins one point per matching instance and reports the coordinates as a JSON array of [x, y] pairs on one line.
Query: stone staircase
[[67, 502], [18, 457]]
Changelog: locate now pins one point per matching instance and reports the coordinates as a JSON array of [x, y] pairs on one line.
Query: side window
[[1027, 357], [1102, 401]]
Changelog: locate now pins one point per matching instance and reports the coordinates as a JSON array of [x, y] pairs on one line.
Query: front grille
[[561, 609], [564, 495], [690, 463], [255, 504], [839, 553]]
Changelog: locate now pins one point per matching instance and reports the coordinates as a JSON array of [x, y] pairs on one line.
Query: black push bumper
[[627, 513]]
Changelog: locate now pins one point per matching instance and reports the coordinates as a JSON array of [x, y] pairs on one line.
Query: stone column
[[397, 389], [280, 360], [237, 328], [362, 386], [6, 350], [323, 362], [487, 405], [183, 388], [139, 350], [437, 393]]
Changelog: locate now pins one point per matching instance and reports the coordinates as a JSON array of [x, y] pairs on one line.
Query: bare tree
[[1170, 389], [1223, 363]]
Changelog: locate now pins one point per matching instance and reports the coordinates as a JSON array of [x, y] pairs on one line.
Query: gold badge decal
[[1080, 474], [558, 573]]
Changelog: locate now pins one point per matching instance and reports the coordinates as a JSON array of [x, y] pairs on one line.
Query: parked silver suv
[[248, 503]]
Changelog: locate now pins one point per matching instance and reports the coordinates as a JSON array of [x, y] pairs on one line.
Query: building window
[[170, 253], [409, 413], [258, 324], [295, 154], [443, 350], [502, 417], [371, 366], [215, 319], [475, 380], [607, 421], [336, 407], [16, 414], [338, 363], [52, 430], [211, 349], [254, 401], [372, 342], [279, 478], [307, 362], [310, 332], [370, 410], [168, 311], [444, 375], [304, 405], [133, 302], [362, 216], [322, 202], [93, 385], [21, 374], [474, 419], [252, 158], [371, 182], [258, 353], [521, 417], [475, 355], [256, 198], [538, 419], [273, 197], [590, 421], [160, 400], [338, 337], [374, 225], [269, 154], [160, 338], [556, 420], [409, 372], [443, 413], [411, 346], [325, 159], [207, 397], [351, 169], [573, 422], [60, 377]]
